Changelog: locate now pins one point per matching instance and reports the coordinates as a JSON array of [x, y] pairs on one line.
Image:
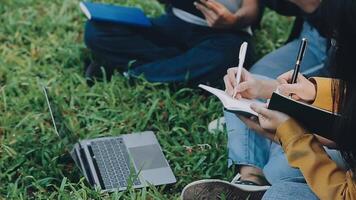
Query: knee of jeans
[[278, 172], [289, 190], [272, 174], [233, 123], [263, 69], [90, 34]]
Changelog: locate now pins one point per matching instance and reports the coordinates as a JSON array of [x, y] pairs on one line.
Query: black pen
[[302, 48]]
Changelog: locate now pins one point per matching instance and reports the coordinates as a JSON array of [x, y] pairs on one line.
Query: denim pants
[[289, 190], [284, 58], [171, 50], [249, 148]]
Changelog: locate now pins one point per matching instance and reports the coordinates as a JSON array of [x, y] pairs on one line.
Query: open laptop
[[114, 163]]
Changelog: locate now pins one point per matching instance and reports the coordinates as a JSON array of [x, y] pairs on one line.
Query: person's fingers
[[301, 78], [208, 14], [245, 75], [288, 89], [254, 118], [238, 96], [235, 94], [296, 97], [250, 123], [282, 81], [262, 110], [209, 21], [243, 86], [231, 73], [254, 125], [212, 5], [265, 105], [286, 76], [228, 86]]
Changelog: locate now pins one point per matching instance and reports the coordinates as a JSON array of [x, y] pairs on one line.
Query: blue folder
[[115, 14]]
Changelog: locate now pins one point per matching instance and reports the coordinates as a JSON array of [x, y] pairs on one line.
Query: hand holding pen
[[239, 82], [294, 84]]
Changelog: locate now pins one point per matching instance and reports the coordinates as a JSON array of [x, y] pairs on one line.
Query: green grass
[[41, 43]]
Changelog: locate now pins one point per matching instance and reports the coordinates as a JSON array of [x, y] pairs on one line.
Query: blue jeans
[[247, 147], [289, 190], [283, 59], [170, 51]]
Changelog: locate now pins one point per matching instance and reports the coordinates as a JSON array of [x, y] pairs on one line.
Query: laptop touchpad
[[148, 157]]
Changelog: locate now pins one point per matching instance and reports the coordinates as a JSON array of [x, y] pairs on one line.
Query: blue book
[[114, 14]]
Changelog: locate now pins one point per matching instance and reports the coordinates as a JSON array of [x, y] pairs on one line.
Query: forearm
[[247, 14], [304, 152], [267, 87]]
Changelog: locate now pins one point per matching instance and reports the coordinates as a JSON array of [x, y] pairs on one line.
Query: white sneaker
[[216, 125], [213, 189], [248, 185]]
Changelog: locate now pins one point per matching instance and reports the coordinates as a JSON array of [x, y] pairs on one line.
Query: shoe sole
[[217, 189]]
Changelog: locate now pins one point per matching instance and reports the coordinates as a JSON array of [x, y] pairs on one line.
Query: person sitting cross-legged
[[179, 47]]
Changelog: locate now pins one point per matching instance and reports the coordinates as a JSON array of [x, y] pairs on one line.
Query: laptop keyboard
[[113, 162]]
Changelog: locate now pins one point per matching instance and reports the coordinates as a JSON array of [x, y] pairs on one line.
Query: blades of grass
[[63, 184], [149, 114], [4, 98]]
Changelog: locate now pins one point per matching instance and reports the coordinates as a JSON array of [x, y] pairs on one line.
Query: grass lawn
[[41, 42]]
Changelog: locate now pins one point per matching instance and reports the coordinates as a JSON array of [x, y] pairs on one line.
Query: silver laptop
[[116, 163]]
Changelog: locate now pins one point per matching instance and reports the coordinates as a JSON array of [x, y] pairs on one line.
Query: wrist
[[266, 88], [313, 90]]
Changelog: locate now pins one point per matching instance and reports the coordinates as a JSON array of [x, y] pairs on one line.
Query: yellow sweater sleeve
[[323, 97], [304, 151], [324, 177]]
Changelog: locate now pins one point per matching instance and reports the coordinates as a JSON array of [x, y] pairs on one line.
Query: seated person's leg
[[207, 59], [247, 149], [278, 170], [283, 59], [289, 190], [114, 46], [171, 51]]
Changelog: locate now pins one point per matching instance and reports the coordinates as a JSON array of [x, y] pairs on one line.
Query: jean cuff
[[230, 163]]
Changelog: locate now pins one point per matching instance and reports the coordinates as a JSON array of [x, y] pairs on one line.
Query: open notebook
[[237, 105]]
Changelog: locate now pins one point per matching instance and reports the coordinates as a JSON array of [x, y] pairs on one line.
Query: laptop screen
[[57, 118]]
